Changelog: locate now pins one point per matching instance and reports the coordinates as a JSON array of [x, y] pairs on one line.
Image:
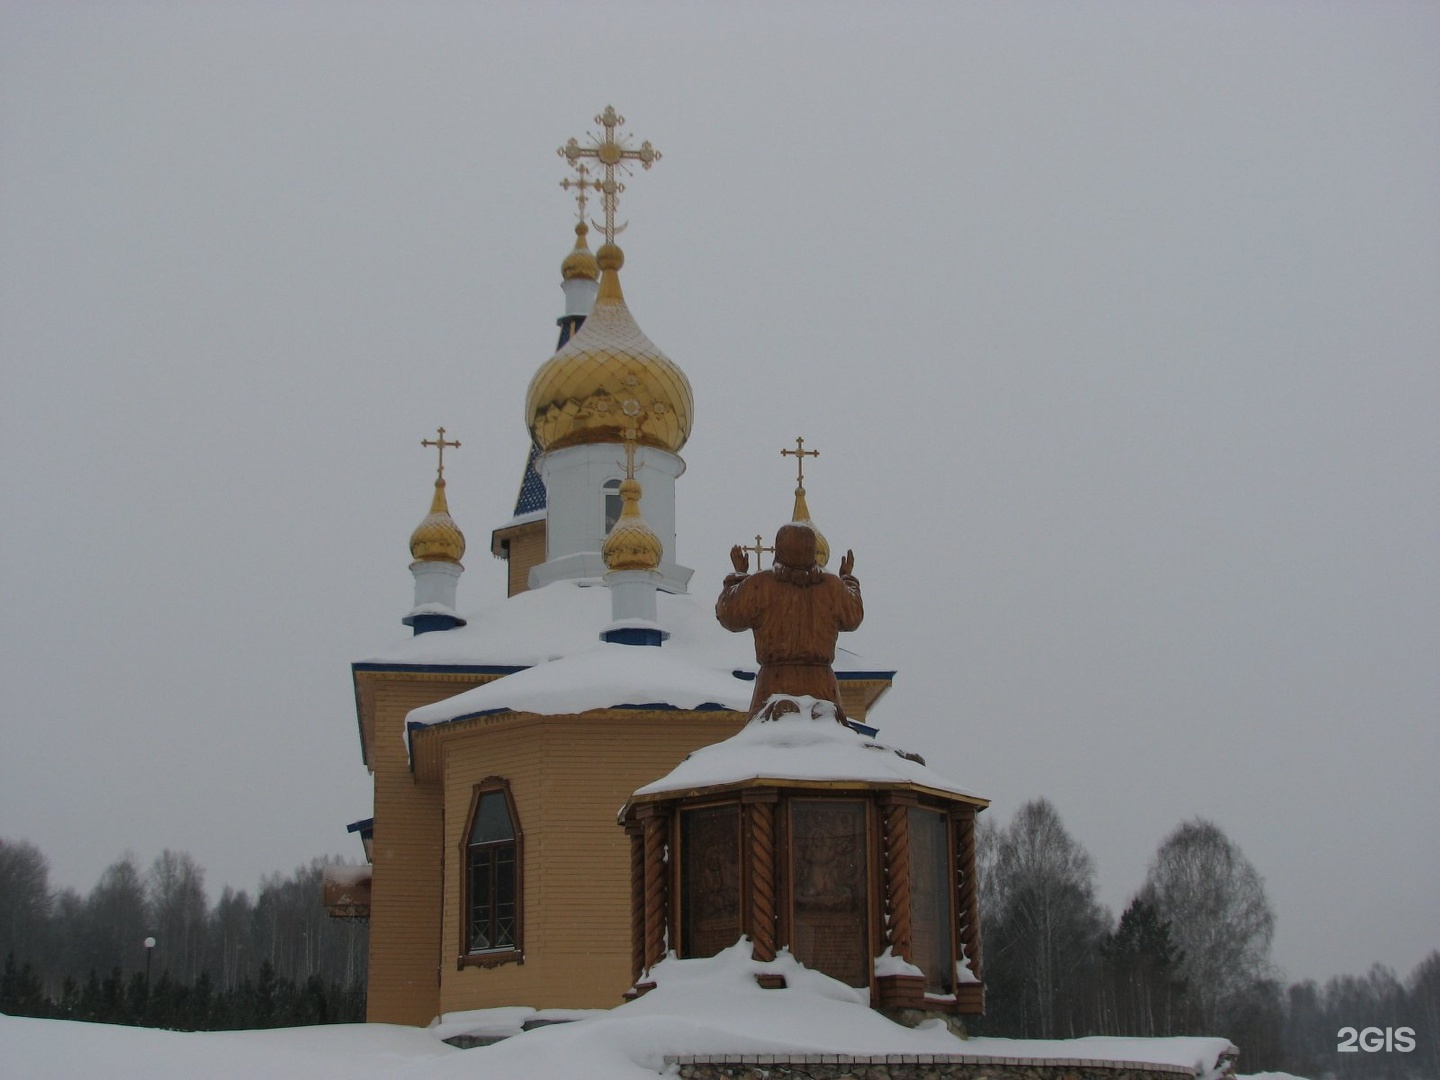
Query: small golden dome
[[609, 378], [580, 263], [631, 544], [437, 538], [801, 516]]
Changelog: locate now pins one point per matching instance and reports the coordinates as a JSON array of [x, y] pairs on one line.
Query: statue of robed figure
[[797, 611]]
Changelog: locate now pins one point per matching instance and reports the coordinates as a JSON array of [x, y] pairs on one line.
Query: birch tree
[[1220, 919]]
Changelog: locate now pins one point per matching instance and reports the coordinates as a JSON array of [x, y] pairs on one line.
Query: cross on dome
[[801, 513], [581, 184], [612, 154], [440, 444], [799, 454]]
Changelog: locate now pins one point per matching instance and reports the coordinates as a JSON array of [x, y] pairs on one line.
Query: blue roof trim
[[653, 706], [842, 676], [362, 826], [443, 669]]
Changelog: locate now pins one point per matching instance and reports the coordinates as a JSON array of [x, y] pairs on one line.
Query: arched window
[[492, 904], [612, 504]]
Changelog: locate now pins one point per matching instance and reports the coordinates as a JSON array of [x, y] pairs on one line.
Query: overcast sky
[[1116, 327]]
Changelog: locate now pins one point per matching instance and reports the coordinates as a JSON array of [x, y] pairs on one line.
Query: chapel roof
[[804, 745]]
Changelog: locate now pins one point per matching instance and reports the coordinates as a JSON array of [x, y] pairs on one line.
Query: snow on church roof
[[565, 618], [805, 745], [607, 676]]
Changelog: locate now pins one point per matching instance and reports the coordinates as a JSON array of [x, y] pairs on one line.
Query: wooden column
[[897, 991], [896, 855], [655, 821], [636, 832], [758, 916], [970, 997]]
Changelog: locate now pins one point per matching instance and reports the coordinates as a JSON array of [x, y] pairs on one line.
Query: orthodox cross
[[612, 154], [440, 444], [581, 185], [758, 549], [799, 454]]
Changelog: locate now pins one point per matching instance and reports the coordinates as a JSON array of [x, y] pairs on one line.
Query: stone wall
[[914, 1067]]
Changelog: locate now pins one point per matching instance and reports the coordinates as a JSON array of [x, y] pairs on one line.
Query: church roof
[[607, 676], [565, 618], [532, 488]]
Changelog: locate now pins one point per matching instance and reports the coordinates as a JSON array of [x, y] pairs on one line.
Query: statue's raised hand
[[739, 560], [847, 564]]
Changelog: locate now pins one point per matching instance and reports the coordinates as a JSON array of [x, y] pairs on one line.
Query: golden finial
[[580, 263], [438, 538], [440, 444], [612, 154], [631, 545], [801, 513]]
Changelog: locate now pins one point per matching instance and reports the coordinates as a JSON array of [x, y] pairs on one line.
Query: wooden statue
[[797, 611]]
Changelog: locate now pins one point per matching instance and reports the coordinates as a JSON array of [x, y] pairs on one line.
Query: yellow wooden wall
[[403, 985], [569, 777]]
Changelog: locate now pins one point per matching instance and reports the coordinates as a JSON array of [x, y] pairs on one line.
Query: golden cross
[[440, 444], [799, 454], [581, 184], [612, 154], [758, 549]]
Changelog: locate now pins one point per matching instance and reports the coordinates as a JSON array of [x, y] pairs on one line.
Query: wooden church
[[503, 744]]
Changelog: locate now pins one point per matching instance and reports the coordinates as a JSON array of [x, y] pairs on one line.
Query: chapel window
[[492, 860], [931, 915], [709, 879], [612, 504], [828, 894]]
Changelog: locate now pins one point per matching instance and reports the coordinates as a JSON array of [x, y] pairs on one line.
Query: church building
[[503, 743]]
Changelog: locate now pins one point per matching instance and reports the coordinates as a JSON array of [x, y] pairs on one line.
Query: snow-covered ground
[[709, 1006]]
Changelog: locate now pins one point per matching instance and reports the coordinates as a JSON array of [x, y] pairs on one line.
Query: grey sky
[[1116, 325]]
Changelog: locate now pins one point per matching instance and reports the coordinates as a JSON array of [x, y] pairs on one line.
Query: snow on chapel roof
[[808, 744]]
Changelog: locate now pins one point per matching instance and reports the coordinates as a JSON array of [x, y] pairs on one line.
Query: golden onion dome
[[609, 378], [437, 538], [801, 516], [580, 263], [631, 545]]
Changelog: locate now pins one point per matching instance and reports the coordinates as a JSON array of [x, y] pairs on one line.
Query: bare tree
[[1144, 991], [1425, 1009], [116, 920], [1045, 928], [24, 900], [1220, 919], [175, 888]]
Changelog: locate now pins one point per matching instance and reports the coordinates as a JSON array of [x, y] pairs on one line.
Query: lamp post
[[149, 951]]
